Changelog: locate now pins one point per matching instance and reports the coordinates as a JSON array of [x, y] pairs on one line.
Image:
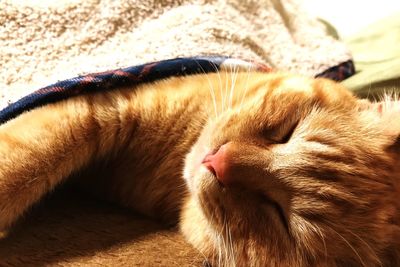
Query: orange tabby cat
[[258, 169]]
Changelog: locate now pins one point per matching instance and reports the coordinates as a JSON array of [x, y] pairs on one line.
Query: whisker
[[233, 83], [217, 243], [318, 229], [226, 85], [232, 74], [222, 250], [249, 69], [204, 256], [350, 246], [211, 88], [227, 255], [219, 250], [231, 247], [219, 78], [367, 245]]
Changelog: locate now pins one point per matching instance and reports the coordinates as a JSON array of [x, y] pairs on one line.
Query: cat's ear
[[384, 114]]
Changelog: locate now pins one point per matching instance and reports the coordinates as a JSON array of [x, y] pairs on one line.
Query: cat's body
[[258, 169]]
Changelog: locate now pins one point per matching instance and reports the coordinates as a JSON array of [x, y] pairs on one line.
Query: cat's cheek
[[187, 176], [385, 114]]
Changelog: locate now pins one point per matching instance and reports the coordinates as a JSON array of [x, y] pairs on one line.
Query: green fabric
[[376, 52]]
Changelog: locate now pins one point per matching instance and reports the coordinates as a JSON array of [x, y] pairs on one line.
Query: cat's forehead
[[293, 85], [291, 90], [276, 95]]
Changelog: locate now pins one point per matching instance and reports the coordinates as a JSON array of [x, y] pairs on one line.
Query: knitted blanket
[[47, 41]]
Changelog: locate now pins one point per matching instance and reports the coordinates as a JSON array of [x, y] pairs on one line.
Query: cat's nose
[[218, 163]]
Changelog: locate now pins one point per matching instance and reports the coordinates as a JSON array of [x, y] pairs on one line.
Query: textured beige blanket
[[45, 41]]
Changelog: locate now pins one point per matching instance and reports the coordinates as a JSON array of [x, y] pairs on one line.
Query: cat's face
[[296, 173]]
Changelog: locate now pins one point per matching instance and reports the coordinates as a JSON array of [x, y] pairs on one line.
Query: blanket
[[376, 54], [47, 41]]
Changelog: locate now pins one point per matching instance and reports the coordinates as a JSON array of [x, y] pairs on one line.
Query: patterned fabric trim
[[340, 72], [145, 73]]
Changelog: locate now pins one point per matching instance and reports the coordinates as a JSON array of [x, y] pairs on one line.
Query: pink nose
[[218, 164]]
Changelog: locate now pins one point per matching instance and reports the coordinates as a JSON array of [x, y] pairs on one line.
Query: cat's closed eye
[[279, 211], [282, 134], [289, 133]]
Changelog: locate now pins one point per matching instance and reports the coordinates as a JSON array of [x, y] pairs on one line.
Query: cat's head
[[291, 171]]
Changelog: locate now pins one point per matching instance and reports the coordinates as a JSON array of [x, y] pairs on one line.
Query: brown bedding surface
[[70, 228]]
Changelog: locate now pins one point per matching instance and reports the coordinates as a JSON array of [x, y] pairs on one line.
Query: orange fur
[[323, 195]]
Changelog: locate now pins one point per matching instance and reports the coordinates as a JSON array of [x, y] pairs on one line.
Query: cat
[[257, 169]]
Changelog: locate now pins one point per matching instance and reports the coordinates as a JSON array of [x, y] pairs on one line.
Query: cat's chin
[[195, 226], [218, 250]]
